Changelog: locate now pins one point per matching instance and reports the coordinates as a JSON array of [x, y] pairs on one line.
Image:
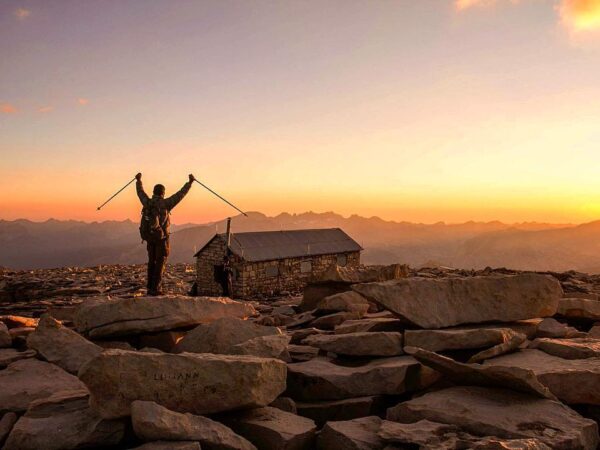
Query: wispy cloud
[[83, 101], [45, 109], [22, 13], [7, 108], [580, 15]]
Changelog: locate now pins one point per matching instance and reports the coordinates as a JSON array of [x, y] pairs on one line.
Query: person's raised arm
[[140, 190], [174, 199]]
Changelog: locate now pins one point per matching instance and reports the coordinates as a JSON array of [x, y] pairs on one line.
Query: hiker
[[154, 228], [227, 277]]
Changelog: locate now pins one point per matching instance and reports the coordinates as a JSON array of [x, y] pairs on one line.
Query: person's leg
[[151, 266], [162, 253]]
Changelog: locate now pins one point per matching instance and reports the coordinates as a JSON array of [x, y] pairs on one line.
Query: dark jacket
[[165, 205]]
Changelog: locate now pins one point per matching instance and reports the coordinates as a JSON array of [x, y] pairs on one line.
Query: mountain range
[[529, 246]]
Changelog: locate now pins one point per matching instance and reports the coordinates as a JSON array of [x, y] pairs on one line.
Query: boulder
[[571, 380], [285, 404], [457, 338], [221, 335], [432, 435], [299, 335], [273, 429], [491, 412], [10, 355], [424, 433], [169, 445], [7, 422], [320, 379], [12, 321], [514, 378], [188, 382], [61, 346], [370, 325], [27, 380], [579, 308], [338, 279], [578, 348], [274, 346], [594, 331], [5, 338], [152, 422], [509, 346], [359, 344], [356, 434], [104, 317], [439, 303], [330, 321], [552, 328], [164, 340], [363, 274], [301, 353], [348, 301], [338, 410], [64, 421]]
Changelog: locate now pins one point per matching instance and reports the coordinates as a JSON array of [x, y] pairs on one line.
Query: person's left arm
[[172, 201]]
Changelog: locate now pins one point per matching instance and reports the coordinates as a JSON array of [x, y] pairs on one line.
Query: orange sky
[[418, 111]]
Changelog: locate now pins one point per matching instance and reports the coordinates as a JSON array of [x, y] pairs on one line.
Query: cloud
[[7, 108], [580, 15], [22, 13], [45, 109], [83, 101]]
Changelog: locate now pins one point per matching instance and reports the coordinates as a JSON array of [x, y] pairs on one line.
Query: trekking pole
[[117, 193], [225, 200]]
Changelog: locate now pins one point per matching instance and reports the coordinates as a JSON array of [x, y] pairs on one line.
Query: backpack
[[151, 229]]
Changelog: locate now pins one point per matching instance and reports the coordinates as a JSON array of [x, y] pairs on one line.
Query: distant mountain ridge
[[530, 246]]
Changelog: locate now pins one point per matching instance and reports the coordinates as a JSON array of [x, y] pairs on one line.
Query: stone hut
[[272, 262]]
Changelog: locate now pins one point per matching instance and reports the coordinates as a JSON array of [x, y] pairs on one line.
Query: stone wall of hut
[[285, 275], [264, 277]]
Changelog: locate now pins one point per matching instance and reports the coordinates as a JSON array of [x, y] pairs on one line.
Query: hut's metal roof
[[271, 245]]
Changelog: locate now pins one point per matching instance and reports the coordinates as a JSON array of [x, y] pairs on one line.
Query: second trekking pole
[[225, 200]]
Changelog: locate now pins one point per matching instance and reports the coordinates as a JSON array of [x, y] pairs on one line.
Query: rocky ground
[[376, 358]]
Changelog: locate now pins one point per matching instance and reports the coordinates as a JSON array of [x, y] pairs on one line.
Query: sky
[[424, 111]]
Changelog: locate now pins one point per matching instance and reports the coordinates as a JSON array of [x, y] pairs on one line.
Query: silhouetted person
[[227, 277], [154, 228]]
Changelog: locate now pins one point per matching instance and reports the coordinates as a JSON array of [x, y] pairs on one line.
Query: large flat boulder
[[320, 379], [576, 348], [27, 380], [273, 429], [11, 355], [221, 335], [514, 378], [359, 344], [64, 421], [493, 412], [457, 338], [188, 382], [61, 346], [579, 308], [571, 380], [356, 434], [152, 422], [103, 317], [439, 303]]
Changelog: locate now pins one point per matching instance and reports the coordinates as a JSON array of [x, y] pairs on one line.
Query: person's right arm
[[140, 190]]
